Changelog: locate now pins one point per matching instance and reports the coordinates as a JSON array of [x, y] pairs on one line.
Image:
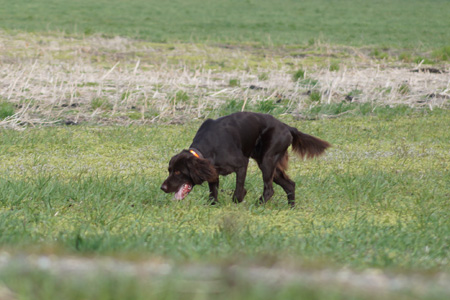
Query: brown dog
[[225, 145]]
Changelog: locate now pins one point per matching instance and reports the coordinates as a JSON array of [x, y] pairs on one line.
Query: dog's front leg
[[239, 192], [213, 191]]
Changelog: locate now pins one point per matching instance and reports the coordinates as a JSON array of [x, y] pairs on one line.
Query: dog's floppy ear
[[201, 170]]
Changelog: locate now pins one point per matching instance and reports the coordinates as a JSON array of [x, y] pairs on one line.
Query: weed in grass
[[151, 113], [266, 106], [334, 67], [231, 106], [88, 84], [88, 31], [404, 89], [315, 96], [234, 82], [6, 109], [423, 60], [442, 54], [100, 103], [385, 91], [308, 83], [379, 54], [125, 95], [134, 115], [263, 106], [329, 109], [298, 75], [405, 57], [263, 76], [312, 42], [354, 95], [181, 97]]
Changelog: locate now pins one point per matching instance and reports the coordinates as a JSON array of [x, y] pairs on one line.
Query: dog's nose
[[164, 187]]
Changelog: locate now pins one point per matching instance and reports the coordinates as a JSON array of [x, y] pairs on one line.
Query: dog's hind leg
[[267, 167], [283, 180]]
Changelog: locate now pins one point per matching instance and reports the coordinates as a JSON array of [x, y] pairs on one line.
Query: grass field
[[401, 23], [379, 199], [96, 96]]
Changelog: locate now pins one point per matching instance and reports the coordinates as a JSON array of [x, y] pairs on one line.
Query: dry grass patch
[[62, 79]]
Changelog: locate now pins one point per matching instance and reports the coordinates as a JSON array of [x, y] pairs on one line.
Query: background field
[[401, 23], [96, 96]]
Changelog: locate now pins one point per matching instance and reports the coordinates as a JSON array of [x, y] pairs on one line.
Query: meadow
[[378, 199], [401, 23], [96, 96]]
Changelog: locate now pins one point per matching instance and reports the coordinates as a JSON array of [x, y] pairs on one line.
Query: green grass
[[6, 109], [442, 54], [300, 74], [402, 23], [234, 82], [385, 112], [102, 103], [378, 199]]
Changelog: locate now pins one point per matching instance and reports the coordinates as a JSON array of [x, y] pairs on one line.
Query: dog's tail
[[307, 146]]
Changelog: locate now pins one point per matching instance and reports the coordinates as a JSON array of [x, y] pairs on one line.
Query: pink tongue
[[183, 191]]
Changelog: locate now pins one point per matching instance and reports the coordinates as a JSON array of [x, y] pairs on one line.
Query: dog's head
[[185, 171]]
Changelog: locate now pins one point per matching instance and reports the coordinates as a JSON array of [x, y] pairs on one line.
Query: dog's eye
[[177, 172]]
